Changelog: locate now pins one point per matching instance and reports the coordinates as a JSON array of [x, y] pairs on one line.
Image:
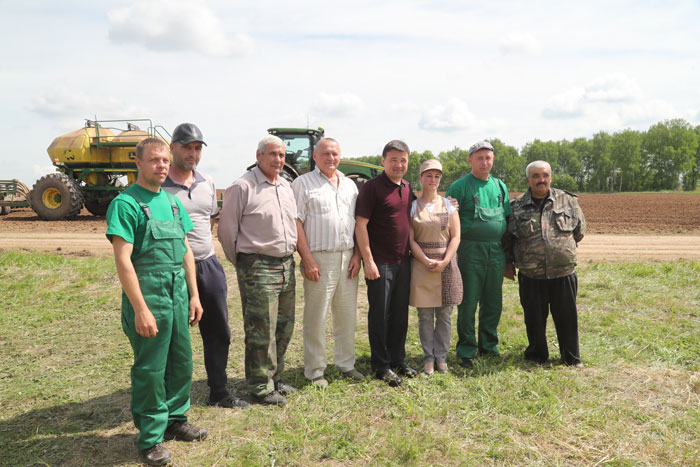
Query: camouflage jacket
[[543, 246]]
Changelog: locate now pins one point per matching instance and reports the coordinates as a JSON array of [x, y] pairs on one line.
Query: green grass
[[64, 383]]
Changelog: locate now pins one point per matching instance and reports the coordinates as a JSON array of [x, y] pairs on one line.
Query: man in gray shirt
[[197, 193], [258, 232]]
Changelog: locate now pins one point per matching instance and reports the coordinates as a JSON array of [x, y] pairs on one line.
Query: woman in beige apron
[[436, 284]]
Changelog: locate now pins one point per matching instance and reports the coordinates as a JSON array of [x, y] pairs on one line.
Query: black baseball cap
[[185, 133]]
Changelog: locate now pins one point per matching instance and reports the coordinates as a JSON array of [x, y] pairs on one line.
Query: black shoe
[[155, 455], [183, 431], [390, 378], [284, 388], [273, 398], [405, 370], [229, 402], [466, 363]]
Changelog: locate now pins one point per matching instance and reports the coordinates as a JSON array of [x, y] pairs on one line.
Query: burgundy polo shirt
[[388, 208]]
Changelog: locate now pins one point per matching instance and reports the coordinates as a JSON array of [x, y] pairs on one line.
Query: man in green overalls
[[147, 228], [483, 209]]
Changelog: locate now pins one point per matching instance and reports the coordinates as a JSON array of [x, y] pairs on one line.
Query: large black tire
[[5, 210], [56, 196], [98, 203], [358, 179]]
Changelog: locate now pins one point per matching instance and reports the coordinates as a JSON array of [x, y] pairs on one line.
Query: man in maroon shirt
[[382, 228]]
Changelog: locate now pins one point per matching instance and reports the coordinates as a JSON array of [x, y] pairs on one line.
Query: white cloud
[[337, 105], [171, 25], [615, 93], [62, 103], [453, 116], [568, 104], [518, 44], [616, 87], [39, 171], [648, 112]]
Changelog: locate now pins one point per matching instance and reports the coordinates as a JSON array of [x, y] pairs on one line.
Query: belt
[[280, 259]]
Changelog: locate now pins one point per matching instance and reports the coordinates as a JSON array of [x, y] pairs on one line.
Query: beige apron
[[431, 232]]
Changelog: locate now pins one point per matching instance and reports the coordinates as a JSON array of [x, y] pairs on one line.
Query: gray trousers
[[435, 328]]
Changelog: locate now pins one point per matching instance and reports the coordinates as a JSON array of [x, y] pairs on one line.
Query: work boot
[[229, 402], [273, 398], [354, 375], [155, 455], [466, 363], [284, 388], [320, 382], [183, 431]]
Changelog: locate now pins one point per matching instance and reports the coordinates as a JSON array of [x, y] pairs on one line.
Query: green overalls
[[162, 372], [481, 262]]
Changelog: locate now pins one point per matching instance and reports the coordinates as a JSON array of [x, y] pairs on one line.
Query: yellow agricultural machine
[[92, 166]]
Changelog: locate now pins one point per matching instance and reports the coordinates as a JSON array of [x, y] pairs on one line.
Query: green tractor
[[299, 158], [91, 164]]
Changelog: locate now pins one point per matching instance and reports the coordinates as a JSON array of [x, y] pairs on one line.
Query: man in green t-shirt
[[147, 228], [483, 209]]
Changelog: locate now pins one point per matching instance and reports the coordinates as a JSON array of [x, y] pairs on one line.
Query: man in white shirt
[[330, 262]]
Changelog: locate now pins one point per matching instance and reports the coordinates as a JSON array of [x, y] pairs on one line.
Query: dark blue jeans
[[213, 327], [387, 320]]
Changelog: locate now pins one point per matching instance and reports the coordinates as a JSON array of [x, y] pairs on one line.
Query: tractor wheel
[[98, 203], [56, 196], [5, 210], [358, 179]]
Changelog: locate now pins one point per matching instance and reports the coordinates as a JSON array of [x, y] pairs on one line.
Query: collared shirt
[[258, 216], [388, 208], [326, 211], [200, 203]]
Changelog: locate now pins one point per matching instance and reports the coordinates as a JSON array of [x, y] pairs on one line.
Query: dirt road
[[621, 227], [85, 237]]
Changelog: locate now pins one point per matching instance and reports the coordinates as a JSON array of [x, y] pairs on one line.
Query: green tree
[[583, 149], [508, 165], [599, 165], [668, 151], [454, 166], [414, 162], [626, 156]]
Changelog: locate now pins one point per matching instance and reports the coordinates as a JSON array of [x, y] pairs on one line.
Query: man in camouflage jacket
[[541, 239]]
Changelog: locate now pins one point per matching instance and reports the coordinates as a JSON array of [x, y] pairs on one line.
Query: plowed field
[[644, 226]]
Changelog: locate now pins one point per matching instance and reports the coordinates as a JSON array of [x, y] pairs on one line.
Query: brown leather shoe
[[155, 455], [183, 431]]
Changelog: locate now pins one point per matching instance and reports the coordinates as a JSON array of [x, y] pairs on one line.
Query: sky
[[438, 74]]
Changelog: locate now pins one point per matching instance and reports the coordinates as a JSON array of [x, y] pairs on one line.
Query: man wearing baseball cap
[[483, 210], [197, 193]]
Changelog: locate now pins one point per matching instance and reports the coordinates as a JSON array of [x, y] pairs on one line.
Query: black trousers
[[540, 296], [214, 328], [387, 320]]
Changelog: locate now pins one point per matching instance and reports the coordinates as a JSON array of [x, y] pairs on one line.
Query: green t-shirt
[[126, 219], [487, 191]]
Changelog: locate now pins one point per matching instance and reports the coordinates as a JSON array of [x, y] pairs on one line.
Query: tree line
[[665, 157]]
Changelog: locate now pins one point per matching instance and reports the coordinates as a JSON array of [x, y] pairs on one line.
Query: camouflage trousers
[[267, 287]]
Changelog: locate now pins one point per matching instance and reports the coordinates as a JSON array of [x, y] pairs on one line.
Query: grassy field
[[64, 383]]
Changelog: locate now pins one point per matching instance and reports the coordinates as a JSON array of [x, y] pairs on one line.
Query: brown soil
[[621, 227]]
